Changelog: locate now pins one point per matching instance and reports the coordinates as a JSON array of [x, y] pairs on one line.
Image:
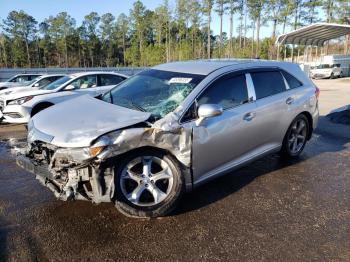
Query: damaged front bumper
[[84, 182], [87, 173]]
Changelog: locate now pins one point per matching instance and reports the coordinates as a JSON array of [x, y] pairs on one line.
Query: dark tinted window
[[43, 82], [267, 83], [228, 91], [292, 81], [107, 80], [54, 78]]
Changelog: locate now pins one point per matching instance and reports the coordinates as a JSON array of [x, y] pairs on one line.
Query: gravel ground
[[271, 210]]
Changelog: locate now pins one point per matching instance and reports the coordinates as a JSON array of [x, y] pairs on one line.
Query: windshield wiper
[[133, 104]]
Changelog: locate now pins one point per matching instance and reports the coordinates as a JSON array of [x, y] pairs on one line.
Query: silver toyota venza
[[168, 129]]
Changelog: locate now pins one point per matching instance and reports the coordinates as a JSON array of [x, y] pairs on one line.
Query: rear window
[[292, 81], [267, 83]]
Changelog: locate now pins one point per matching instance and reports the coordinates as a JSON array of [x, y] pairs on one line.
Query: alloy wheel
[[146, 181], [297, 137]]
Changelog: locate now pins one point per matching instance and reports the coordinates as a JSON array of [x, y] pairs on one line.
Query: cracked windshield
[[154, 91]]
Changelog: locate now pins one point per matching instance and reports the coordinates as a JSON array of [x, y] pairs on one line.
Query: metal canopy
[[314, 35]]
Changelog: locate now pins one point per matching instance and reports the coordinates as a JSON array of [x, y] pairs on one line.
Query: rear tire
[[332, 76], [296, 137], [148, 183]]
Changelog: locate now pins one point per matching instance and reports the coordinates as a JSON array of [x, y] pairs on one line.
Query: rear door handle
[[249, 116], [289, 100]]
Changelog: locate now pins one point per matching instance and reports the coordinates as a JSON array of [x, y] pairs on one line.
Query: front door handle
[[289, 100], [249, 116]]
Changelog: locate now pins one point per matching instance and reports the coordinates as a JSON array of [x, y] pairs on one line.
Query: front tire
[[296, 137], [148, 183]]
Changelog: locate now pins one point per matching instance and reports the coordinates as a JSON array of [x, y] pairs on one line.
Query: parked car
[[19, 107], [36, 83], [18, 80], [169, 129], [326, 71]]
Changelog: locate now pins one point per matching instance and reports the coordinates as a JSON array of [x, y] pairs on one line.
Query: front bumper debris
[[80, 183]]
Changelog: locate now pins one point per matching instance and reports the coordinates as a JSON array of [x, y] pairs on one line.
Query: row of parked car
[[24, 95], [143, 142]]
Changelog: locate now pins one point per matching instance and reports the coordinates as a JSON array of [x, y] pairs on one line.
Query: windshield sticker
[[180, 80]]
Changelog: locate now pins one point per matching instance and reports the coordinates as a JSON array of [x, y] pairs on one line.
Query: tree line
[[173, 31]]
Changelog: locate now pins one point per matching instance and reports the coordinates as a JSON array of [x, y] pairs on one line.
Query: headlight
[[84, 153], [99, 145], [20, 101], [94, 151]]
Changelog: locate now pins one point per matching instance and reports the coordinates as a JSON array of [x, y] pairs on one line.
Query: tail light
[[317, 92]]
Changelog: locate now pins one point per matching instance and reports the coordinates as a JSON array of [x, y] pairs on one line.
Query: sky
[[41, 9]]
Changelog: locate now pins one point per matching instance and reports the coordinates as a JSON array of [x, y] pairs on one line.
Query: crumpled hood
[[25, 93], [77, 122]]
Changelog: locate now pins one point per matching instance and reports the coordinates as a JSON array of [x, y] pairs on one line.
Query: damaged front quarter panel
[[165, 134], [76, 174]]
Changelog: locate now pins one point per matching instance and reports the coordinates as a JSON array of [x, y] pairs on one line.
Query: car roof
[[50, 75], [205, 67], [34, 74], [74, 75]]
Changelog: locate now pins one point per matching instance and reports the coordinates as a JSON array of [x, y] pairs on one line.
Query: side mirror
[[36, 85], [208, 110], [69, 87]]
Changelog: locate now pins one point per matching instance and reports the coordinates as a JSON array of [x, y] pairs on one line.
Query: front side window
[[267, 83], [107, 80], [228, 91], [155, 91], [84, 82]]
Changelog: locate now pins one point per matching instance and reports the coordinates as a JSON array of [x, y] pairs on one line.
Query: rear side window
[[228, 91], [267, 83], [107, 80], [84, 82], [291, 80]]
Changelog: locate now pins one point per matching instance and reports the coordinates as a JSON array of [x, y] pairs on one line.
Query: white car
[[326, 71], [18, 80], [19, 107], [34, 84]]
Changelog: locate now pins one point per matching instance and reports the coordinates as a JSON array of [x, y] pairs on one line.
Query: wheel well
[[40, 107], [310, 120], [186, 171], [123, 155]]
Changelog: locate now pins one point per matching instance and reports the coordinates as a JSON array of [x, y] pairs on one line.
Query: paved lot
[[271, 210]]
